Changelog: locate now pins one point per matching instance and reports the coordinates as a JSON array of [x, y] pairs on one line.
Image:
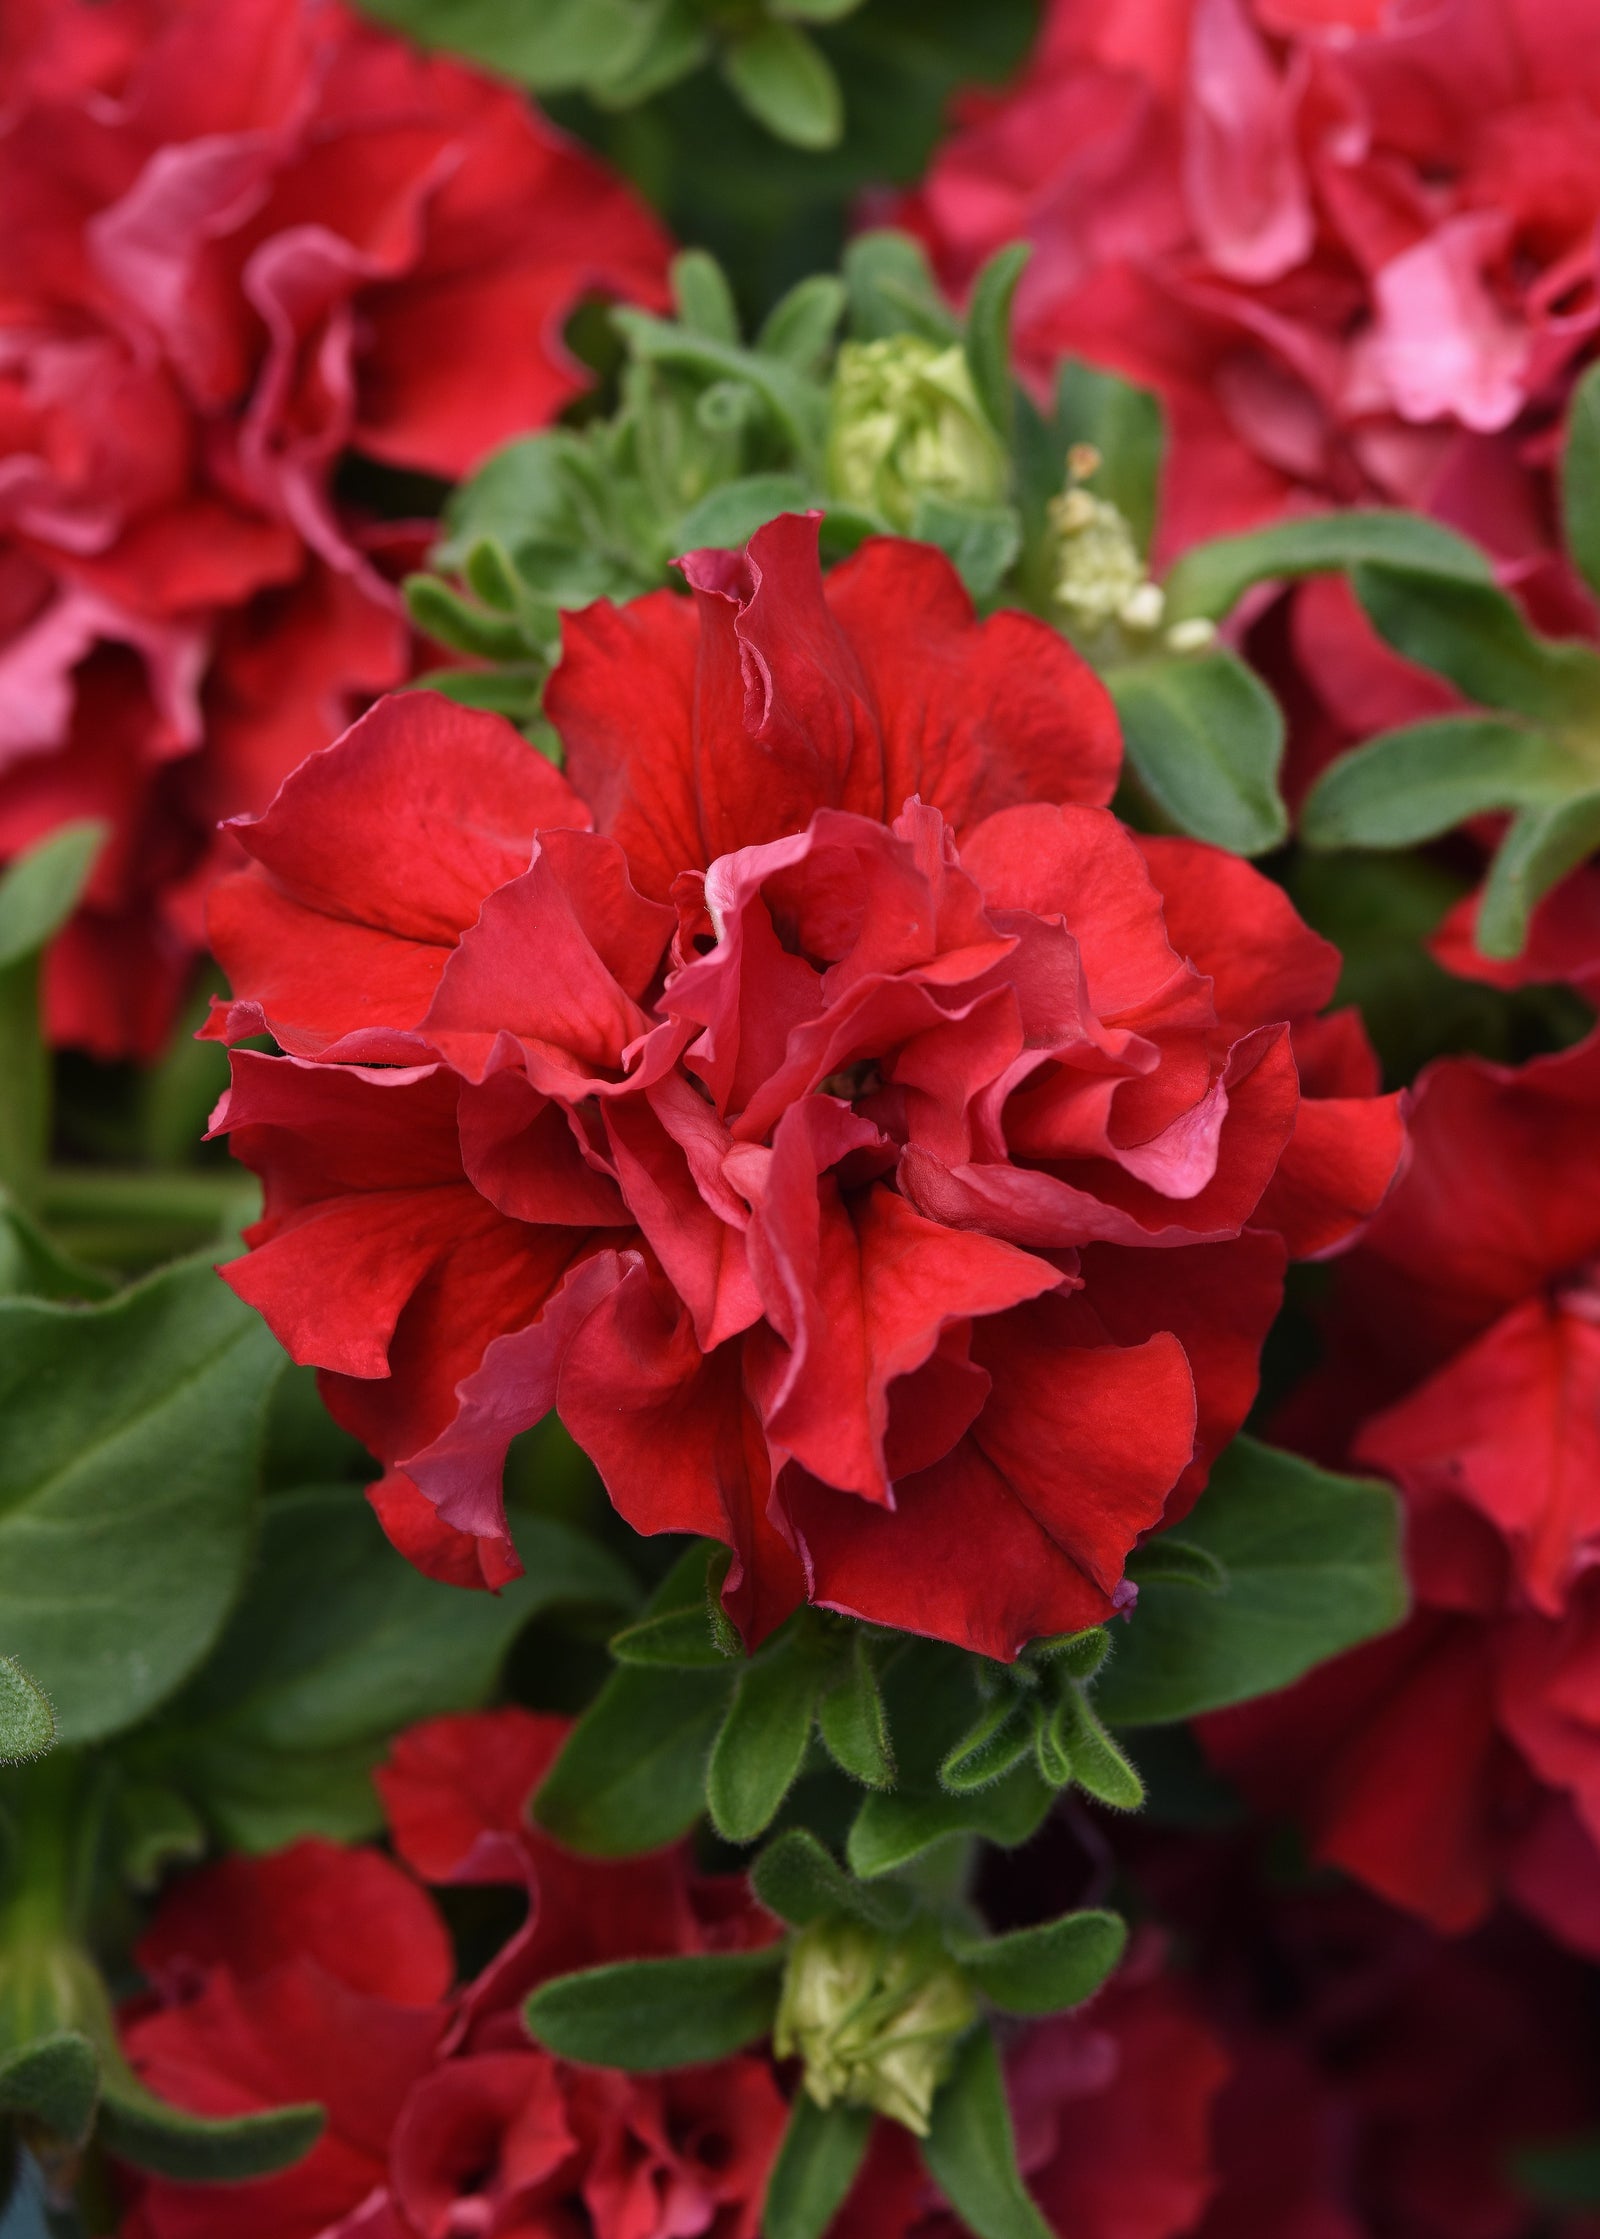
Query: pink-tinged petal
[[414, 1528], [514, 1388], [1246, 186], [1511, 1425], [534, 976], [477, 2131], [1069, 1462], [1445, 345], [528, 1158], [862, 1287]]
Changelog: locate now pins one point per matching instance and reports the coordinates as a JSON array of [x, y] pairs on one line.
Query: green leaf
[[632, 1774], [1099, 1767], [648, 2014], [799, 1880], [555, 45], [703, 297], [971, 2150], [989, 1749], [787, 84], [1206, 739], [981, 540], [1174, 1562], [39, 889], [801, 326], [127, 1481], [54, 2082], [1079, 1654], [1473, 634], [853, 1722], [892, 289], [1044, 1970], [1124, 424], [1542, 846], [514, 693], [762, 1743], [986, 340], [1580, 477], [1426, 778], [338, 1643], [38, 892], [1211, 579], [1052, 1724], [156, 1829], [1313, 1567], [817, 2163], [814, 11], [27, 1723], [730, 516], [447, 617], [679, 1638], [1565, 2174], [890, 1830], [32, 1266], [137, 2127]]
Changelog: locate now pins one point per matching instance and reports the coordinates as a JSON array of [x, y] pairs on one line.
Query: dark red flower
[[324, 1973], [1461, 1756], [1351, 244], [243, 238], [882, 1159]]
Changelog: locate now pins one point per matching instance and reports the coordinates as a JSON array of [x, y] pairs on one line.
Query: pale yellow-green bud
[[875, 2019], [905, 422]]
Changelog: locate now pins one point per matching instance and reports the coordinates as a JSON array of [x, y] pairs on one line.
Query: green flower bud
[[875, 2019], [905, 422]]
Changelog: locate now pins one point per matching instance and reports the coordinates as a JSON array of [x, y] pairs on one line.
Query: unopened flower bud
[[1099, 574], [906, 422], [875, 2019]]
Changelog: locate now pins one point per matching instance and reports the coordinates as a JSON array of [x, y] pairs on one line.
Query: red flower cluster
[[326, 1974], [1461, 1756], [884, 1161], [1350, 241], [242, 238]]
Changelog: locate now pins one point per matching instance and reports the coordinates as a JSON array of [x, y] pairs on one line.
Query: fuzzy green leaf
[[854, 1723], [137, 2127], [799, 1880], [762, 1742], [822, 2150], [1473, 634], [1580, 477], [801, 326], [1174, 1562], [650, 2014], [1211, 579], [892, 289], [787, 84], [1541, 847], [54, 2081], [703, 297], [986, 340], [971, 2150], [27, 1722], [1046, 1969]]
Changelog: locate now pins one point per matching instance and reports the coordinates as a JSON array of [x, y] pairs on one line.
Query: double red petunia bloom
[[243, 239], [1461, 1756], [884, 1161]]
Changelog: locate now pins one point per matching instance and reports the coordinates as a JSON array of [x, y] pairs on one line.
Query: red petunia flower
[[244, 238], [1461, 1756], [883, 1160], [1351, 243], [325, 1973]]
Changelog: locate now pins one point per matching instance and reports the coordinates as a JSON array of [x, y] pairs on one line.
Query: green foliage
[[817, 2163], [971, 2150], [127, 1484], [39, 890], [1043, 1970], [199, 2149], [339, 1643], [27, 1722], [762, 1742], [1412, 784], [54, 2082], [1211, 579], [1205, 738], [1580, 478], [650, 2014], [1312, 1566]]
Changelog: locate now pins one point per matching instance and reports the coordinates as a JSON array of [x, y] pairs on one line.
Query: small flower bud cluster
[[906, 423], [1100, 573]]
